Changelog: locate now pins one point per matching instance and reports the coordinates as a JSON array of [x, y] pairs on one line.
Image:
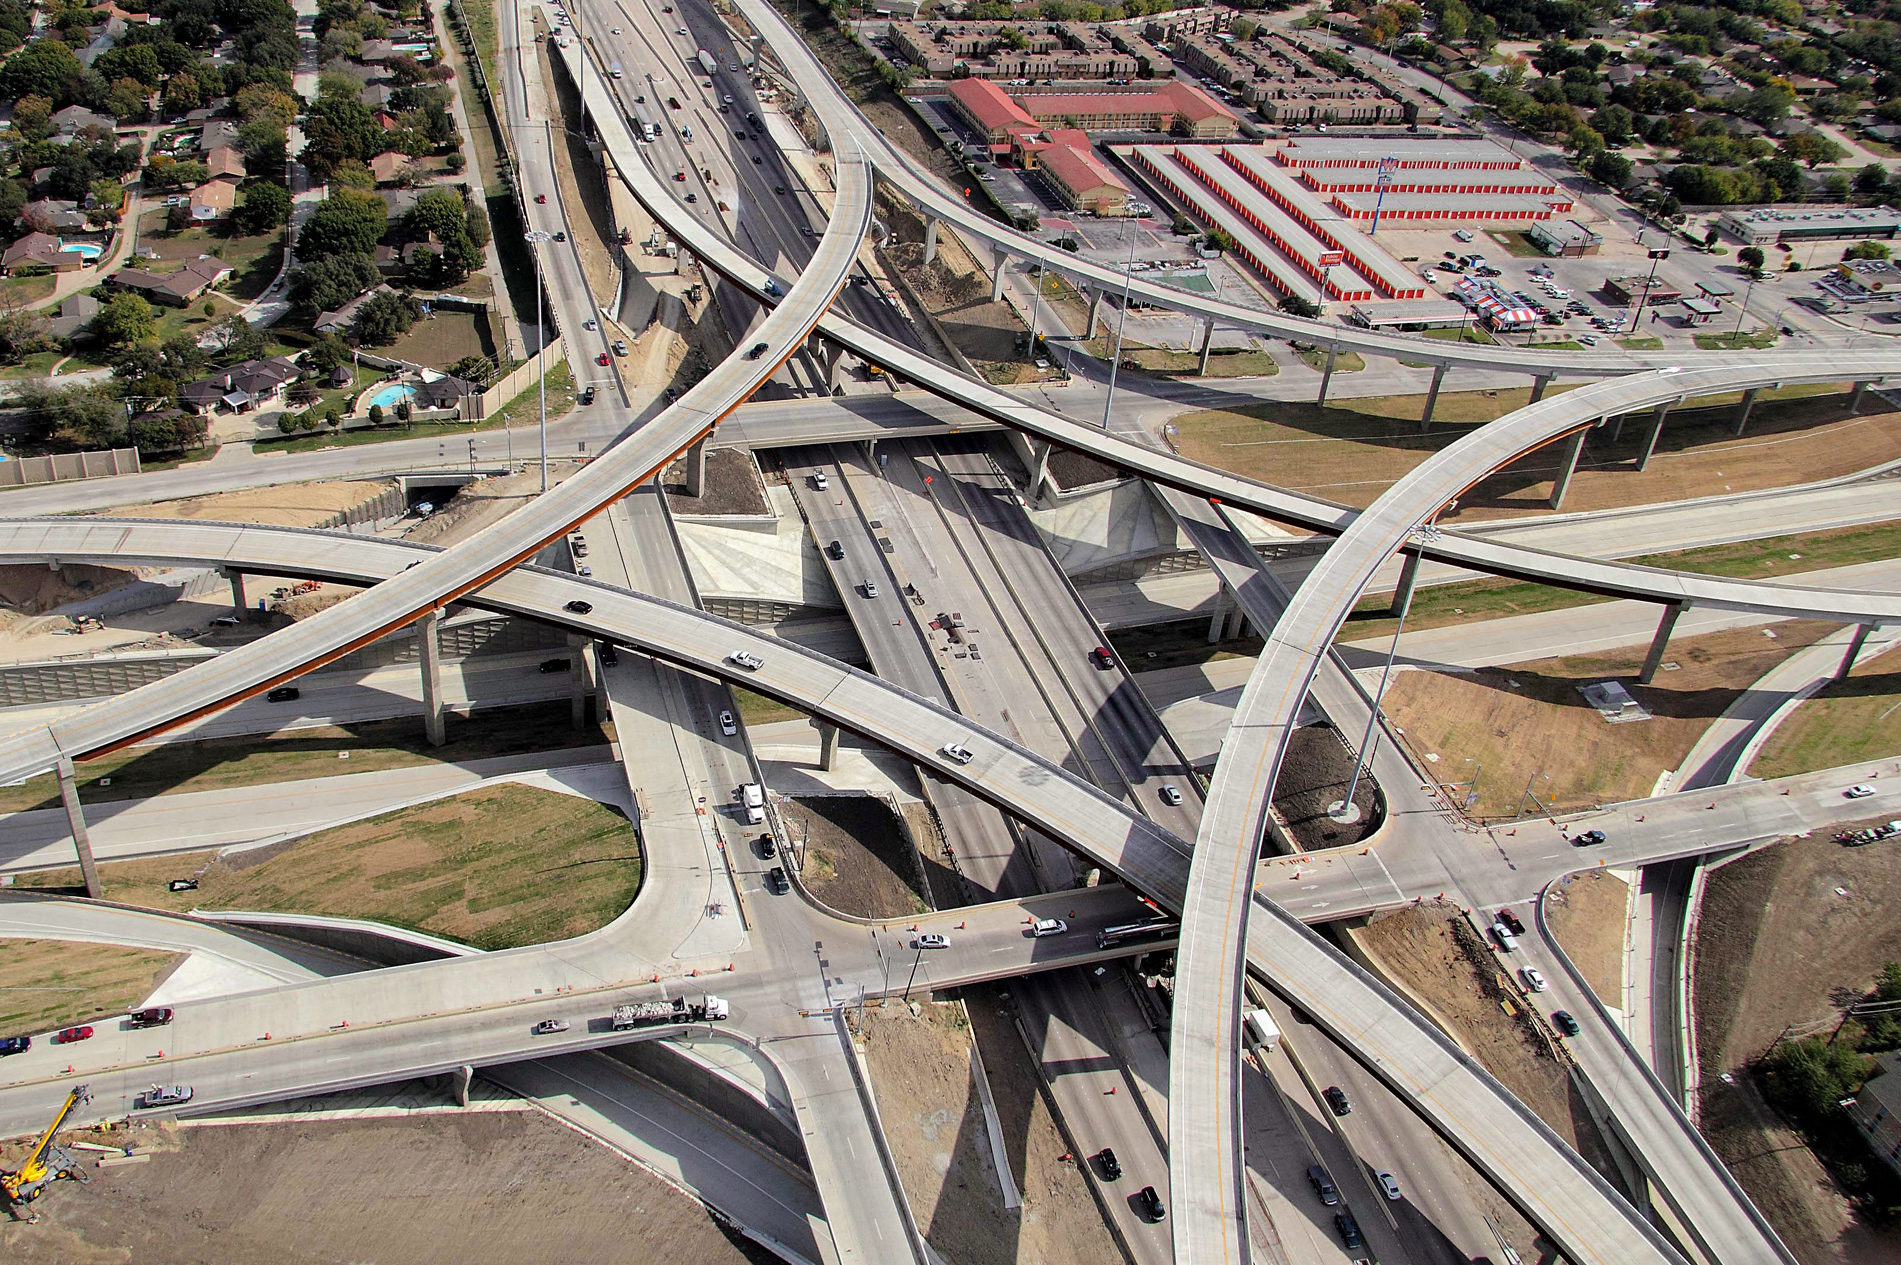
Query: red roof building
[[990, 110], [1175, 107]]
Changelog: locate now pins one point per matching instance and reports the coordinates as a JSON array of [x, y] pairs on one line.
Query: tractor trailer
[[652, 1014], [708, 63]]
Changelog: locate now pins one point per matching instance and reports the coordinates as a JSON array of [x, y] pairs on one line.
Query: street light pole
[[1650, 283], [1344, 811], [1385, 178], [535, 237], [1115, 361]]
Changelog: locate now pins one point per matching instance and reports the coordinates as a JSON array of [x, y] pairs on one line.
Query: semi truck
[[653, 1014], [708, 63], [1261, 1030]]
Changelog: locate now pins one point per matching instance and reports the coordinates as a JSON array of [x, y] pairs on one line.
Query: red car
[[541, 197], [67, 1036], [603, 359]]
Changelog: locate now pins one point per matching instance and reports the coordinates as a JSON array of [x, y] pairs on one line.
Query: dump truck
[[652, 1014]]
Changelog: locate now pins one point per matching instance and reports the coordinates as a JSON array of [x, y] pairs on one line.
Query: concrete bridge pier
[[834, 362], [1408, 581], [1617, 427], [1040, 468], [1854, 651], [1237, 623], [434, 723], [1218, 622], [237, 590], [1650, 439], [1207, 345], [930, 239], [827, 746], [1538, 385], [996, 280], [76, 822], [1095, 305], [580, 678], [1573, 449], [1661, 642], [1854, 401], [696, 468], [1432, 398], [1326, 375], [1744, 409]]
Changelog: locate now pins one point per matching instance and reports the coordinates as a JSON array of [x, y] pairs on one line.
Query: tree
[[1805, 1079], [44, 68], [383, 318], [1867, 250], [1751, 257], [330, 281], [261, 101], [1294, 305], [347, 222], [1610, 167], [127, 99], [123, 319], [89, 416], [1712, 237], [1614, 123], [1871, 181], [376, 414], [265, 205], [31, 116], [236, 339], [473, 369], [1812, 148]]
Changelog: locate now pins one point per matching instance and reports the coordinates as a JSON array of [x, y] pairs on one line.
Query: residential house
[[217, 132], [176, 288], [243, 388], [1876, 1112], [375, 95], [213, 200], [108, 36], [375, 51], [75, 119], [38, 252], [75, 313], [53, 215], [340, 320], [387, 168], [225, 160], [443, 392]]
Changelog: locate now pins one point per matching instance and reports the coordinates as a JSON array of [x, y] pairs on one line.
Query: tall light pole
[[1743, 310], [1650, 283], [535, 238], [1385, 178], [1115, 361]]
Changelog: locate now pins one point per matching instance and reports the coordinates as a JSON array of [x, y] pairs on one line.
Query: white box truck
[[1261, 1030], [753, 800]]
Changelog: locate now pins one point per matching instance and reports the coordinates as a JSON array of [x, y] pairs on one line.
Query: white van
[[1048, 927], [753, 799]]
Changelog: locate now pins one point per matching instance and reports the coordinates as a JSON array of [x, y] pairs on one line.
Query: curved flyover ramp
[[490, 553], [1206, 1153]]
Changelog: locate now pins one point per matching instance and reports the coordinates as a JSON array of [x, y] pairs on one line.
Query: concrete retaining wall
[[61, 467]]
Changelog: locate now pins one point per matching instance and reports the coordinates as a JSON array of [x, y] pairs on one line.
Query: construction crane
[[46, 1163]]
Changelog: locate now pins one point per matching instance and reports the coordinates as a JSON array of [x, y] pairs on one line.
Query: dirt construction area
[[1436, 956], [283, 505], [490, 1188], [1527, 726], [1785, 935], [858, 857], [1313, 778], [1588, 914]]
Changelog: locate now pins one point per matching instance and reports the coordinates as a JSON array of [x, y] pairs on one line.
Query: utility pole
[[1128, 270], [1650, 283], [535, 238]]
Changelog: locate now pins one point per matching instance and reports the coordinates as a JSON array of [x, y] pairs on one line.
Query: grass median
[[497, 867], [56, 983]]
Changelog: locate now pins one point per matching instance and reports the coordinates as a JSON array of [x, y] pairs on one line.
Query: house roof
[[1080, 170], [247, 380], [197, 274], [54, 213], [223, 160], [990, 105], [387, 166], [75, 117], [216, 195], [73, 315], [40, 248]]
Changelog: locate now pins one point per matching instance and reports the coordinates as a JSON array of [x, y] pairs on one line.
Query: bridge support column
[[1095, 305], [1854, 651], [1326, 375], [237, 591], [996, 280], [1743, 411], [696, 469], [1218, 622], [1207, 345], [827, 746], [1650, 440], [1408, 581], [834, 360], [1573, 449], [579, 679], [455, 1083], [1661, 642], [1432, 398], [1040, 468], [433, 722], [1237, 623], [1617, 427], [1854, 401], [1538, 385], [930, 239], [76, 822]]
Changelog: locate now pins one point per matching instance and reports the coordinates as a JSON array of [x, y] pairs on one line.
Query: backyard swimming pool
[[91, 250]]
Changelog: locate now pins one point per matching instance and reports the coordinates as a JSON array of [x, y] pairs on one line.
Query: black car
[[1349, 1229], [779, 189], [284, 694], [1149, 1204], [152, 1017], [1566, 1024], [1337, 1099], [777, 881], [738, 135], [578, 607], [1589, 838], [15, 1045], [547, 666], [757, 350], [767, 848], [587, 395], [1108, 1165], [757, 161], [835, 550], [1512, 922], [1323, 1185]]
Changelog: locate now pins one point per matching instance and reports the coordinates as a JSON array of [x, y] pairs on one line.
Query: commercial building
[[1299, 244], [1410, 314], [1767, 225], [1080, 180], [1173, 107], [1568, 238], [1013, 50], [1275, 75], [1625, 291]]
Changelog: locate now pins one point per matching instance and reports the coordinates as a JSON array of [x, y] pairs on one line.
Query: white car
[[726, 724], [727, 99], [547, 1026], [744, 659], [1534, 979], [1859, 791], [820, 482], [1171, 794], [1387, 1184], [589, 323], [615, 31], [680, 30], [1464, 234], [1432, 278], [931, 940], [1048, 927], [958, 751]]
